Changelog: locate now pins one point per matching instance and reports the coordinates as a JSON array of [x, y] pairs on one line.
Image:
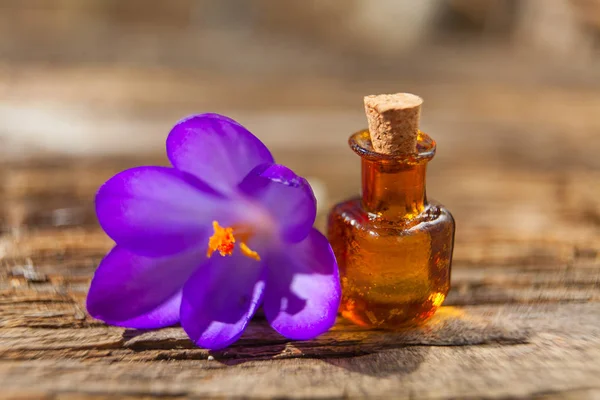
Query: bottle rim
[[360, 143]]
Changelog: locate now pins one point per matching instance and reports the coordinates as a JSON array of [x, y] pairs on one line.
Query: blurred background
[[511, 89], [108, 76]]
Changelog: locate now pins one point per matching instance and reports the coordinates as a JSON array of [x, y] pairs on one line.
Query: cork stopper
[[394, 122]]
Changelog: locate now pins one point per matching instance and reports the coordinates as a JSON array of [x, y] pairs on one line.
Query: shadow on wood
[[449, 327]]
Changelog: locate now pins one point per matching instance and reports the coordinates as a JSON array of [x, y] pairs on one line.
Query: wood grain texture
[[522, 319]]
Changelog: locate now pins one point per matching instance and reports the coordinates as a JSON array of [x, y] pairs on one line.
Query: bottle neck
[[392, 190]]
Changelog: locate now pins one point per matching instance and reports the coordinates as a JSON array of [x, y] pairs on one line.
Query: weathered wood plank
[[39, 297], [522, 299], [471, 351], [553, 220], [47, 341], [522, 319]]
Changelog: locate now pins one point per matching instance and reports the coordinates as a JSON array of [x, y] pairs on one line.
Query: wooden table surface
[[522, 319]]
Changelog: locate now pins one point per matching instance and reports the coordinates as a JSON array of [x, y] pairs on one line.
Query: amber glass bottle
[[394, 248]]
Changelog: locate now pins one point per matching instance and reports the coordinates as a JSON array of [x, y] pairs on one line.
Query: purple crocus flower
[[206, 243]]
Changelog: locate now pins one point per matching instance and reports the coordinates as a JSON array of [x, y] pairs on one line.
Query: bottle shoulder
[[444, 213], [351, 212]]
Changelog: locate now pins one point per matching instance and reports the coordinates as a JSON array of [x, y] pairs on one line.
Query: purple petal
[[286, 196], [303, 289], [157, 210], [220, 298], [166, 314], [131, 288], [216, 149]]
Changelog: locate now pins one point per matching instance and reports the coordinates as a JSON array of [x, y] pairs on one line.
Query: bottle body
[[393, 247], [393, 275]]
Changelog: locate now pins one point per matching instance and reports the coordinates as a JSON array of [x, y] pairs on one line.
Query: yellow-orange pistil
[[223, 241]]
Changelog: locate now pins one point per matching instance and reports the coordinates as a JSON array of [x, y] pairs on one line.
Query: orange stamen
[[223, 241], [249, 252]]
